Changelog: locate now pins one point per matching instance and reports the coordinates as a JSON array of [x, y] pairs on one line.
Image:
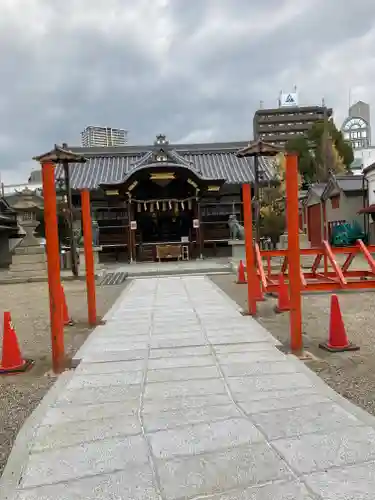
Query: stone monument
[[29, 257]]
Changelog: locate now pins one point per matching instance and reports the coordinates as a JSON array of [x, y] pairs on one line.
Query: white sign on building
[[289, 100]]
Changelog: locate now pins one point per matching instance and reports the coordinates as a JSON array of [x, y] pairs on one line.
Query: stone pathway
[[198, 266], [179, 396]]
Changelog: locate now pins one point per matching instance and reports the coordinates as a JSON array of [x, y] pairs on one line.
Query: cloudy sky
[[195, 70]]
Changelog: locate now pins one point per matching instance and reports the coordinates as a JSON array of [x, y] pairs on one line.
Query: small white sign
[[133, 225], [184, 239], [289, 100], [195, 223]]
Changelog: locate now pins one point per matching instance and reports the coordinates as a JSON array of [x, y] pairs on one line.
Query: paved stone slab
[[180, 352], [320, 417], [109, 356], [316, 452], [177, 334], [190, 373], [184, 388], [102, 394], [163, 420], [267, 354], [135, 483], [183, 342], [115, 346], [258, 368], [281, 400], [269, 383], [69, 413], [115, 367], [224, 338], [180, 362], [244, 347], [104, 379], [280, 490], [73, 433], [153, 405], [203, 438], [221, 471], [349, 483], [87, 459]]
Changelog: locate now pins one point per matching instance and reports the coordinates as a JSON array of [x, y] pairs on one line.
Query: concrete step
[[30, 258], [29, 266]]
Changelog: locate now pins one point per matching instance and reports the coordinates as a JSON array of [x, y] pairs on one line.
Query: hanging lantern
[[152, 207], [145, 206], [182, 205], [176, 207], [157, 206], [170, 205], [164, 205]]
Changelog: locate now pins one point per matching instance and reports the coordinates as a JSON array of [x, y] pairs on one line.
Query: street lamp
[[255, 149]]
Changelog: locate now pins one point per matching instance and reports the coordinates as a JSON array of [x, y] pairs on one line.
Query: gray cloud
[[194, 70]]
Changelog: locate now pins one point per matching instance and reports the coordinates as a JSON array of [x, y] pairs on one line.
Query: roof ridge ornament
[[161, 140]]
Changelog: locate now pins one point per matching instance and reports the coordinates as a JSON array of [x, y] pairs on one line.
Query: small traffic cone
[[283, 302], [12, 361], [338, 340], [241, 278], [67, 321]]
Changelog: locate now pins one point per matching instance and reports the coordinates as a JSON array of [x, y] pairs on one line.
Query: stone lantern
[[28, 259]]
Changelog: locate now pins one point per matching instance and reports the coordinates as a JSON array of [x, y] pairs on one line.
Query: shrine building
[[164, 200]]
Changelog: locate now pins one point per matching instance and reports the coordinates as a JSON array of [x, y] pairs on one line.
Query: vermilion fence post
[[296, 343], [53, 266], [250, 261], [89, 256]]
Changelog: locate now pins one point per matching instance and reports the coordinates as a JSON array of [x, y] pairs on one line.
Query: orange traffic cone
[[241, 278], [338, 340], [283, 302], [67, 321], [12, 361]]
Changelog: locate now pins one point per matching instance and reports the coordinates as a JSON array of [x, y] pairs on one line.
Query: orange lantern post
[[294, 253], [89, 256], [48, 161], [53, 266]]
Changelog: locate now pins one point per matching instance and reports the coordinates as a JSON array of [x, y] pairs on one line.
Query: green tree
[[306, 163], [323, 150]]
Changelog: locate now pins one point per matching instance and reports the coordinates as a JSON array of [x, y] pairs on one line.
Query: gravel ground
[[351, 374], [28, 304]]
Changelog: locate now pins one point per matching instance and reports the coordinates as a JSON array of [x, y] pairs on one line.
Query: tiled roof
[[212, 161], [350, 182]]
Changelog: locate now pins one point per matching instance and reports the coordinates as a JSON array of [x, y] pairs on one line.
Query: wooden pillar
[[250, 260], [294, 253], [131, 236], [89, 256], [199, 231], [53, 266]]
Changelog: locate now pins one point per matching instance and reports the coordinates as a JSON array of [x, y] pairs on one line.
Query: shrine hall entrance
[[169, 226], [165, 207]]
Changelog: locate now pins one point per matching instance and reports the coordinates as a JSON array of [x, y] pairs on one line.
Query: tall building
[[357, 126], [279, 125], [103, 136]]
